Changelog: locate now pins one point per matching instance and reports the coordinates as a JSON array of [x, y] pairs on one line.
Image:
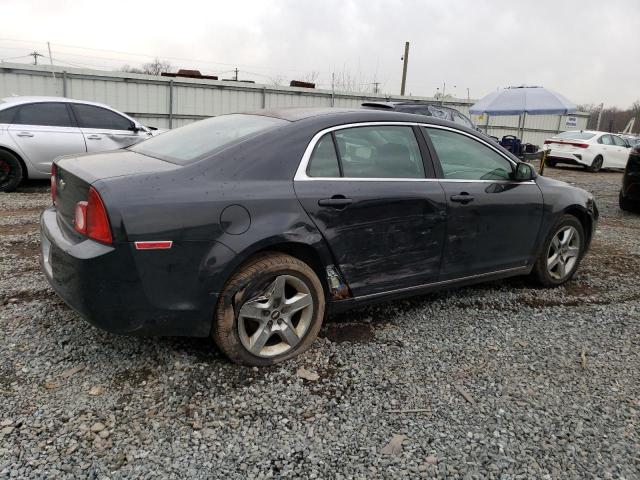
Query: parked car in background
[[631, 140], [425, 108], [35, 130], [249, 227], [590, 149], [629, 198]]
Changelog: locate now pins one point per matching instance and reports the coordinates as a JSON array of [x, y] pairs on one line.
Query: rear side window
[[463, 158], [48, 114], [605, 140], [379, 152], [202, 139], [6, 115], [324, 161], [90, 116]]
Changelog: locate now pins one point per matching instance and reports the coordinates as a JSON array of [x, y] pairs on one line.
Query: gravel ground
[[507, 381]]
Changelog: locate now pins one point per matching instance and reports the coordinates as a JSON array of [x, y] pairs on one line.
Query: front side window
[[202, 139], [48, 114], [618, 141], [90, 116], [463, 158], [379, 152]]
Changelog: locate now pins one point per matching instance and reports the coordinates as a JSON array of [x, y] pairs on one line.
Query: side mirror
[[524, 172]]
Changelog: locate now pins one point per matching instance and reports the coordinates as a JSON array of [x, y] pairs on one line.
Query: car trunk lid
[[76, 174]]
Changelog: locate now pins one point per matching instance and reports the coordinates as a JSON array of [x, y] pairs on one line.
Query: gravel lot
[[510, 381]]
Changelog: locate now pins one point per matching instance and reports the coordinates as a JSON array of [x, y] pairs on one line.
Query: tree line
[[613, 119]]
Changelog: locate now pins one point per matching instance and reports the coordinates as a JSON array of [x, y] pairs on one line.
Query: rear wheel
[[563, 249], [271, 310], [10, 171], [596, 165]]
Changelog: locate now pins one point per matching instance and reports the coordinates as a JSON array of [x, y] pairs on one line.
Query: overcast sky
[[586, 50]]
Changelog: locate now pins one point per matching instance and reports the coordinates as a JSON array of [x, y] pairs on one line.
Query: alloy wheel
[[563, 253], [277, 320]]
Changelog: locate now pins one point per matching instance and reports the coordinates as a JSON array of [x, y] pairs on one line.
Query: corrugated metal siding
[[147, 98]]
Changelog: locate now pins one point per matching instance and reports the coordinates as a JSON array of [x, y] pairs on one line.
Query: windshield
[[198, 140], [576, 135]]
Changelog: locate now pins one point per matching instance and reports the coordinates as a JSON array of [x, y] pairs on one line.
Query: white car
[[35, 130], [591, 149]]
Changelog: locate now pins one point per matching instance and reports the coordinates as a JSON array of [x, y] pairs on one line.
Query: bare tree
[[310, 77], [275, 81], [156, 67]]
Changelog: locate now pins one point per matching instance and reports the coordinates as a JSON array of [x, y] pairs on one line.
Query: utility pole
[[236, 74], [375, 87], [444, 87], [333, 88], [51, 60], [600, 116], [405, 63], [35, 56], [468, 98]]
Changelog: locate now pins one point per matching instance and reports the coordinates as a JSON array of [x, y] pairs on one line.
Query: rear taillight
[[573, 144], [91, 218], [54, 182]]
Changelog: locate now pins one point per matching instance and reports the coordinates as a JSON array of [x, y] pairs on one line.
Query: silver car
[[35, 130]]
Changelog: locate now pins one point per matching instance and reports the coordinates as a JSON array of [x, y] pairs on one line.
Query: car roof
[[21, 100], [392, 105], [340, 116]]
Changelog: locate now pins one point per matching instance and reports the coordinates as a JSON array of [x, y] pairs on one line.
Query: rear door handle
[[94, 137], [25, 134], [337, 201], [462, 198]]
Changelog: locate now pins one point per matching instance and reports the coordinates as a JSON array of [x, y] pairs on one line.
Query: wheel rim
[[563, 253], [277, 320]]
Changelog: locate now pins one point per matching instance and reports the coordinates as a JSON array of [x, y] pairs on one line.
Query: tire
[[542, 273], [596, 165], [626, 205], [253, 322], [11, 172]]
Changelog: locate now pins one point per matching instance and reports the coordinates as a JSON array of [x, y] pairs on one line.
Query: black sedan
[[250, 227], [630, 191]]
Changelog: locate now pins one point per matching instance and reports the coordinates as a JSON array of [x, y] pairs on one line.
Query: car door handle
[[337, 201], [94, 137], [462, 198], [25, 134]]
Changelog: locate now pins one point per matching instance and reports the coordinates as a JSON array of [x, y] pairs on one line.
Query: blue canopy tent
[[521, 101]]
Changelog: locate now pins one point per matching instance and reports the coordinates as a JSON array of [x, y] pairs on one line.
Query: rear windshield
[[199, 140], [576, 135]]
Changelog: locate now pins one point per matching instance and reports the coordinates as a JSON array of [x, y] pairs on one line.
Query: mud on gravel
[[498, 380]]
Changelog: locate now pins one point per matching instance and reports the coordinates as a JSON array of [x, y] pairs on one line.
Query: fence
[[167, 102]]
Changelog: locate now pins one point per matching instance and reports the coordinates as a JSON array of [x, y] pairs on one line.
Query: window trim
[[301, 172]]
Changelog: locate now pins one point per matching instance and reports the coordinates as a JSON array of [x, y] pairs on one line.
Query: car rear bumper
[[106, 286], [572, 158]]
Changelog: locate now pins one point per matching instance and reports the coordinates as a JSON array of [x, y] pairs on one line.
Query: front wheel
[[561, 254], [271, 309]]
